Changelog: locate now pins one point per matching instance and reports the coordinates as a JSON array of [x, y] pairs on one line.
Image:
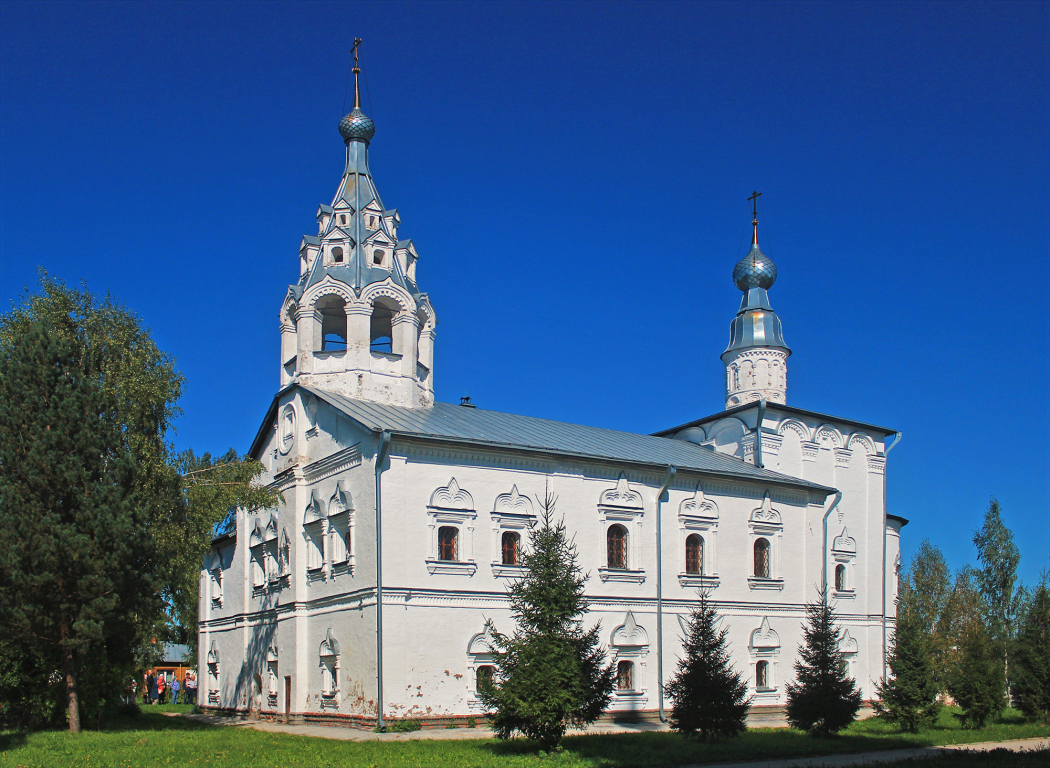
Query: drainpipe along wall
[[758, 432], [671, 471], [896, 439], [824, 549], [381, 452]]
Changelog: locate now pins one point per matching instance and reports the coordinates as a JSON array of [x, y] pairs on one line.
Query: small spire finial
[[357, 71], [754, 215]]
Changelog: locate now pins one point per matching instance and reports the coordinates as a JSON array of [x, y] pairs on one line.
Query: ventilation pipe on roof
[[896, 439], [381, 452], [671, 471]]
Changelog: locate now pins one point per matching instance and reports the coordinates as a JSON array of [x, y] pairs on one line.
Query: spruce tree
[[1031, 676], [823, 699], [976, 679], [909, 697], [710, 699], [551, 673]]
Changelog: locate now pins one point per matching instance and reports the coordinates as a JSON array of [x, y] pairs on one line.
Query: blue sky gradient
[[575, 179]]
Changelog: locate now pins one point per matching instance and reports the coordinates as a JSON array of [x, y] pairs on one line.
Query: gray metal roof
[[455, 423], [774, 407]]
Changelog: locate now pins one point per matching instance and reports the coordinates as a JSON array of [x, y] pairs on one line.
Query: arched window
[[315, 545], [625, 676], [484, 676], [616, 537], [448, 543], [840, 578], [382, 326], [694, 554], [337, 255], [511, 540], [762, 559], [333, 323], [762, 675]]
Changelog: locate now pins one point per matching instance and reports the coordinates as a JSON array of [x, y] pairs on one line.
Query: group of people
[[156, 688]]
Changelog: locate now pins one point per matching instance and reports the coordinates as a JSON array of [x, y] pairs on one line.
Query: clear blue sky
[[574, 177]]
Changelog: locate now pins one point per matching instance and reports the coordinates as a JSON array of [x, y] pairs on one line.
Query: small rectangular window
[[448, 543]]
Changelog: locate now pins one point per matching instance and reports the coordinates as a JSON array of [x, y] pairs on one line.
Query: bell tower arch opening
[[332, 310]]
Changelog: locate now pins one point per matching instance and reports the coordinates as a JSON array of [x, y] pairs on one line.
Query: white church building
[[365, 594]]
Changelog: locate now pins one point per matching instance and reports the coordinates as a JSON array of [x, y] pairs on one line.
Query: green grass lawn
[[154, 739]]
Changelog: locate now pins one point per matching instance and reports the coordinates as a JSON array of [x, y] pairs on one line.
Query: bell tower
[[756, 358], [356, 323]]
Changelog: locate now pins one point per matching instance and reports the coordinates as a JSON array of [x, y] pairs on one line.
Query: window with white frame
[[213, 675], [625, 675], [256, 547], [764, 650], [767, 530], [513, 515], [329, 667], [481, 669], [698, 526], [314, 530], [620, 513], [629, 643], [843, 555], [272, 675], [340, 517], [848, 648], [451, 517]]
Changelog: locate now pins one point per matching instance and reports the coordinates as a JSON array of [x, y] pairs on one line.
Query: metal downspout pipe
[[671, 471], [381, 452], [758, 432], [824, 548], [890, 447]]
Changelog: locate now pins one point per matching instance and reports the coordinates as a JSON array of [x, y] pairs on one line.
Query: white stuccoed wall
[[431, 618]]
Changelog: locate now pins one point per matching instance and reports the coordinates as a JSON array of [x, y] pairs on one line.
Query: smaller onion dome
[[357, 125], [756, 270]]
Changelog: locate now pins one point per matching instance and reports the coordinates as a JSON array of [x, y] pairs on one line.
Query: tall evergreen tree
[[551, 673], [975, 679], [85, 399], [823, 699], [909, 697], [710, 699], [997, 578], [1031, 677]]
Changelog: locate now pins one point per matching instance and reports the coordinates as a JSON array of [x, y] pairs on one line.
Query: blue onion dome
[[357, 125], [756, 270]]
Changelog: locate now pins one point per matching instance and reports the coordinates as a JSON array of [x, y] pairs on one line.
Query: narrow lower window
[[625, 676], [448, 543], [694, 554], [762, 674], [616, 537], [511, 540], [762, 559], [840, 578], [485, 674]]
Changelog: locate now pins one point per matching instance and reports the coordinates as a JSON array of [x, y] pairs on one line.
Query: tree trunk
[[71, 683]]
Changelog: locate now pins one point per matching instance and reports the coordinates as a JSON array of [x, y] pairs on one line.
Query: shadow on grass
[[12, 740], [626, 750]]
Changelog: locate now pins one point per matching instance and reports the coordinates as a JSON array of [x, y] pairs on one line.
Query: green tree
[[973, 668], [909, 697], [997, 577], [211, 489], [931, 584], [85, 400], [823, 699], [710, 699], [1031, 677], [551, 673]]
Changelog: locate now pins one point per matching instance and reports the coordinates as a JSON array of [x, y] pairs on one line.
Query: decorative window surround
[[766, 523], [511, 512], [479, 653], [452, 506], [764, 645], [698, 514], [848, 647], [843, 552], [329, 665], [630, 642], [622, 505]]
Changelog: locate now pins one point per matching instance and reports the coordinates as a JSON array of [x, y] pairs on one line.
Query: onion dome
[[357, 125], [755, 270]]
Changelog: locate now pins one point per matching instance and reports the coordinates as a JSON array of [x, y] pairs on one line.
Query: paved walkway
[[830, 761]]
